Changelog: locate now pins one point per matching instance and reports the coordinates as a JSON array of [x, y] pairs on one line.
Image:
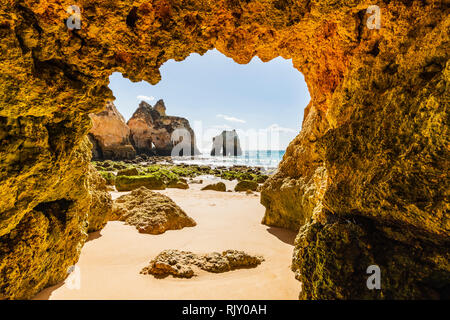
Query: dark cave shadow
[[285, 235], [93, 236]]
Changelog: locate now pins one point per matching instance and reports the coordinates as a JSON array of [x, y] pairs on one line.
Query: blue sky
[[215, 93]]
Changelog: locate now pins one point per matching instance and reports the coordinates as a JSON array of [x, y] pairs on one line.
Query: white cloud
[[277, 128], [146, 98], [231, 119]]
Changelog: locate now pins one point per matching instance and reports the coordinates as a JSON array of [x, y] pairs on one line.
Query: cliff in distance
[[150, 131], [155, 133], [110, 135]]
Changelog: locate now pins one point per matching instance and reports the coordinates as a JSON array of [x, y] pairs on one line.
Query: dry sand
[[111, 260]]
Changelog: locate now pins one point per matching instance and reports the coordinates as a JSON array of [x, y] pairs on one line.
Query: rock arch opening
[[358, 182], [257, 107]]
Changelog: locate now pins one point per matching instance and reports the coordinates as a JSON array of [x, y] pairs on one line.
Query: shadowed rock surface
[[155, 133], [246, 185], [372, 155], [219, 186], [150, 212], [184, 264], [110, 135], [101, 204], [226, 144]]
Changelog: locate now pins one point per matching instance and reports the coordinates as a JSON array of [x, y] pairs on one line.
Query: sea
[[266, 159]]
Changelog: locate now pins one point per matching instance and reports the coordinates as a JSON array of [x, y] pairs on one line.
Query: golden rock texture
[[366, 179], [185, 264], [150, 212]]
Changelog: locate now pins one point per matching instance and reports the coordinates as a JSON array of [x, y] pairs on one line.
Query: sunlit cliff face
[[365, 181]]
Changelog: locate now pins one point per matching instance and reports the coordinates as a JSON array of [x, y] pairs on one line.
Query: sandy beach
[[111, 260]]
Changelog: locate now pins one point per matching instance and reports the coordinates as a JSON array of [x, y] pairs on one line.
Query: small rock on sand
[[183, 264], [220, 186], [246, 185]]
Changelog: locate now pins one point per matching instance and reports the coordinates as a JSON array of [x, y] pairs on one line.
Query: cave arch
[[358, 179]]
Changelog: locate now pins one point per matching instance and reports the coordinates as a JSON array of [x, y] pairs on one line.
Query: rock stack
[[155, 133], [149, 131], [110, 135]]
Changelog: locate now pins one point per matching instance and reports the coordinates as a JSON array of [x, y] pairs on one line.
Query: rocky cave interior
[[365, 182]]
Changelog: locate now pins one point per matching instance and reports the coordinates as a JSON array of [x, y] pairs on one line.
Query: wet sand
[[111, 260]]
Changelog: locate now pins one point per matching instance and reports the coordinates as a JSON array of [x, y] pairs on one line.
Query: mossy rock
[[220, 186], [180, 184], [262, 178], [129, 183], [119, 166], [109, 177], [246, 185], [128, 172]]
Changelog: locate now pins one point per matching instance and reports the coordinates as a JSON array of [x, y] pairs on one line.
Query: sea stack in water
[[227, 144], [110, 135], [155, 133]]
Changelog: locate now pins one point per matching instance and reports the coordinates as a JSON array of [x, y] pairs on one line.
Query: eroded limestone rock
[[184, 264], [155, 133], [150, 212], [38, 251], [246, 185], [219, 186], [101, 203], [110, 135]]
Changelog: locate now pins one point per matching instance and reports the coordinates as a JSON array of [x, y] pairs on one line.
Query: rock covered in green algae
[[184, 264], [128, 183], [128, 172], [180, 184], [150, 212], [410, 269], [110, 178], [219, 186], [246, 185]]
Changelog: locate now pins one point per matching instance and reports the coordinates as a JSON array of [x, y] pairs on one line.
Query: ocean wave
[[268, 159]]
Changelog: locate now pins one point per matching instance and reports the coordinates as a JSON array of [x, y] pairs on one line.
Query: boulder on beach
[[185, 264], [246, 185], [128, 172], [150, 212], [129, 183], [220, 186], [179, 184]]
